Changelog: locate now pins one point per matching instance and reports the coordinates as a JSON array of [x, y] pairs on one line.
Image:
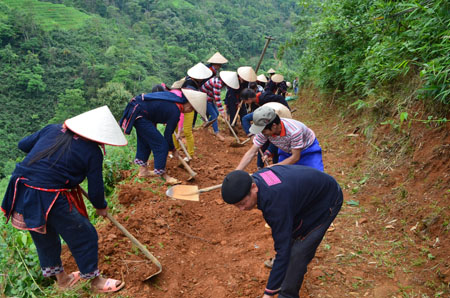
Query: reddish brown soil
[[394, 243]]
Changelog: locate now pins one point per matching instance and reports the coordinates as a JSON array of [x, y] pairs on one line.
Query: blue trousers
[[76, 230], [246, 122], [213, 113], [150, 139], [303, 251], [311, 156]]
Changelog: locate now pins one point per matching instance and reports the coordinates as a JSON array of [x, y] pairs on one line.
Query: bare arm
[[247, 158], [291, 159]]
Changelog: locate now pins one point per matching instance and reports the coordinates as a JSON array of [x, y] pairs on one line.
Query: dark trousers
[[76, 230], [302, 252], [150, 139]]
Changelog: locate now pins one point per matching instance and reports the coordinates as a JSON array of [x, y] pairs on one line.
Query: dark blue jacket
[[294, 200], [83, 159]]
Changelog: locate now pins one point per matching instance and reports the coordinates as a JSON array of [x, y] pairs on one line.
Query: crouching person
[[44, 197], [299, 203]]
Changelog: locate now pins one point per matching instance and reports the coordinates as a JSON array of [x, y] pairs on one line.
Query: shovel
[[188, 192], [141, 247]]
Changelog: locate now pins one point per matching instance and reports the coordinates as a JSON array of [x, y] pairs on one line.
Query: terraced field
[[50, 16]]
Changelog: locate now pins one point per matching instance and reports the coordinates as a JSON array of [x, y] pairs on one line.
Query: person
[[246, 75], [212, 89], [295, 85], [297, 144], [144, 112], [196, 76], [277, 85], [186, 126], [44, 197], [215, 62], [261, 80], [299, 203]]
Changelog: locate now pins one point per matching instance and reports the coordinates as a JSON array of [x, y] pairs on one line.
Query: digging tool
[[209, 123], [141, 247], [187, 167], [237, 113], [232, 131], [262, 155], [245, 141], [183, 146], [188, 192]]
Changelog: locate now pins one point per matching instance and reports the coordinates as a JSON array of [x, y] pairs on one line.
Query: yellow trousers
[[187, 128]]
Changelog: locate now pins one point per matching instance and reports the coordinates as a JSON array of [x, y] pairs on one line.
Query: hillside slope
[[389, 240]]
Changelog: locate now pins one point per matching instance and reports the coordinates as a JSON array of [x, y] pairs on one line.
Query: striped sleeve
[[259, 140]]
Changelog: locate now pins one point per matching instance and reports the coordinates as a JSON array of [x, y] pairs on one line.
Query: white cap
[[98, 125], [230, 78], [199, 71], [217, 58], [247, 73], [197, 99]]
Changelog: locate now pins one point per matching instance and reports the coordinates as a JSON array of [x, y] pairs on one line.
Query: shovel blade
[[184, 192]]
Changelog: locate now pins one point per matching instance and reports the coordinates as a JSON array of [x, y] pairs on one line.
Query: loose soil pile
[[390, 239]]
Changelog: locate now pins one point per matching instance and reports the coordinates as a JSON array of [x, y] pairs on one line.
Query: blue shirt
[[294, 200]]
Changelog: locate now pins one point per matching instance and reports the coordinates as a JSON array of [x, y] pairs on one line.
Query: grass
[[50, 16]]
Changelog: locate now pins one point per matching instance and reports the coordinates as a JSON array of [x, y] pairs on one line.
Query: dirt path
[[390, 239]]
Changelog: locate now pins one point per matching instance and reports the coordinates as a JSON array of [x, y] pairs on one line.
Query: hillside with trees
[[59, 58]]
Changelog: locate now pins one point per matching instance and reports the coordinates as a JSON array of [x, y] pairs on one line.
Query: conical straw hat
[[230, 78], [261, 78], [217, 58], [177, 84], [289, 84], [247, 73], [197, 99], [199, 72], [271, 71], [280, 109], [97, 125], [277, 78]]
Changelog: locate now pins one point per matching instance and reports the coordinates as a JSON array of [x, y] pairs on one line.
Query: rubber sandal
[[76, 276], [110, 286]]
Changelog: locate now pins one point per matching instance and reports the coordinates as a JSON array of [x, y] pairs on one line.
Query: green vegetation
[[59, 58], [370, 52], [50, 16]]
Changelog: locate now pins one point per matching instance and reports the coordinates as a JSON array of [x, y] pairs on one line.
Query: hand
[[175, 154], [267, 296], [102, 212], [265, 158]]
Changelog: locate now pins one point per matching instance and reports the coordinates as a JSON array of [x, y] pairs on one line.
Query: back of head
[[236, 186], [247, 93], [158, 88]]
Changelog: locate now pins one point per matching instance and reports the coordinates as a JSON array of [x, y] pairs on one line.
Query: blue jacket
[[135, 108], [83, 160], [294, 200]]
